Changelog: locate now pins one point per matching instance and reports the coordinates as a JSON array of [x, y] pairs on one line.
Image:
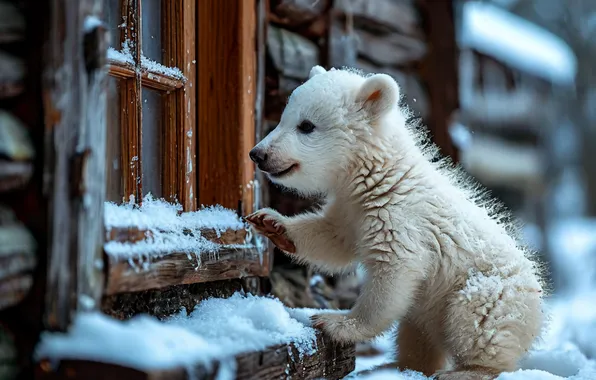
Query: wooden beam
[[330, 361], [179, 177], [14, 174], [75, 129], [130, 103], [226, 89], [182, 268], [134, 234], [153, 80], [165, 302]]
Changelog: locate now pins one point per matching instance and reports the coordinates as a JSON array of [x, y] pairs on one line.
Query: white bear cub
[[438, 260]]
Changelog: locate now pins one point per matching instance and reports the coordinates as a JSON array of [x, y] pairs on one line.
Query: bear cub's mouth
[[284, 172]]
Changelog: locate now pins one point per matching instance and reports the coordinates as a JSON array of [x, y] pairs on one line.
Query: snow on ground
[[171, 230], [564, 352], [217, 329]]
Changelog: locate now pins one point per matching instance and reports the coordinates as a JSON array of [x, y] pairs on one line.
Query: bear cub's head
[[326, 119]]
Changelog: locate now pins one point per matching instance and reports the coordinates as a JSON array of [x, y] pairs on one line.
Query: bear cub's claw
[[269, 223]]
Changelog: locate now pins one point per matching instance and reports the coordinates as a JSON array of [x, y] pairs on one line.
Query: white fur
[[437, 253]]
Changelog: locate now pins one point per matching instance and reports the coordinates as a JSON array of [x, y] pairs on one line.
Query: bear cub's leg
[[417, 351], [386, 295], [307, 237]]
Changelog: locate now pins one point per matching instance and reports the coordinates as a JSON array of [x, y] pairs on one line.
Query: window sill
[[234, 259]]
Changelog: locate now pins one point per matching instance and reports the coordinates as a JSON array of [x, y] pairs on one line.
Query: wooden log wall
[[23, 206]]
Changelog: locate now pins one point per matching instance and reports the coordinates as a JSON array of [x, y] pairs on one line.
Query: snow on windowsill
[[124, 56], [217, 330], [171, 230]]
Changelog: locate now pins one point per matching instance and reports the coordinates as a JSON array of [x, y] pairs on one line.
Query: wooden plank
[[75, 162], [14, 288], [182, 268], [331, 361], [226, 90], [187, 142], [88, 175], [171, 123], [14, 174], [134, 234], [165, 302], [179, 34], [130, 103]]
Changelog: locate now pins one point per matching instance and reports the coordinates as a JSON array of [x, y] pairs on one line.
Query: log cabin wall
[[24, 228], [411, 40]]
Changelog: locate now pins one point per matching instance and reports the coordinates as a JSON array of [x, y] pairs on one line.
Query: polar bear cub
[[437, 258]]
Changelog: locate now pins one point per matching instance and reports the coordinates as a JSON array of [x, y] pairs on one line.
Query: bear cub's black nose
[[258, 156]]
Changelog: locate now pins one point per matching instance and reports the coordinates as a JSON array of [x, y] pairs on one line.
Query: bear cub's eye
[[306, 127]]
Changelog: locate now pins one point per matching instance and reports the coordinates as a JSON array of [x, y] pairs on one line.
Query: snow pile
[[171, 231], [517, 42], [125, 56], [120, 57], [217, 330]]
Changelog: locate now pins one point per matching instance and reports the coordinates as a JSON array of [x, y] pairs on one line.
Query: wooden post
[[440, 70], [75, 109], [226, 59]]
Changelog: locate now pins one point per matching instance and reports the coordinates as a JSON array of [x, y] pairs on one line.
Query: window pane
[[151, 22], [114, 190], [113, 20], [151, 144]]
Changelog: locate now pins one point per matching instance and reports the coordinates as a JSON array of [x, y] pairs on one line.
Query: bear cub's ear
[[316, 70], [378, 95]]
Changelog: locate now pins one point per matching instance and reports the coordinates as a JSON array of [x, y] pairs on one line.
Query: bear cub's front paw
[[270, 223]]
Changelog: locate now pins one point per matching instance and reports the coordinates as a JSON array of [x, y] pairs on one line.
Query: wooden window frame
[[178, 99], [79, 272], [225, 97], [227, 51]]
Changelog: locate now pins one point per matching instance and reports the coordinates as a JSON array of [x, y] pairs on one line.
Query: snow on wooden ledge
[[216, 331], [166, 229], [124, 56]]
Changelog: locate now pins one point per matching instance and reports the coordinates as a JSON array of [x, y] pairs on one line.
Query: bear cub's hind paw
[[339, 327]]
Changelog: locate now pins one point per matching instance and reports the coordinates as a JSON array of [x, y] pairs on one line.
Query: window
[[163, 106], [152, 101]]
